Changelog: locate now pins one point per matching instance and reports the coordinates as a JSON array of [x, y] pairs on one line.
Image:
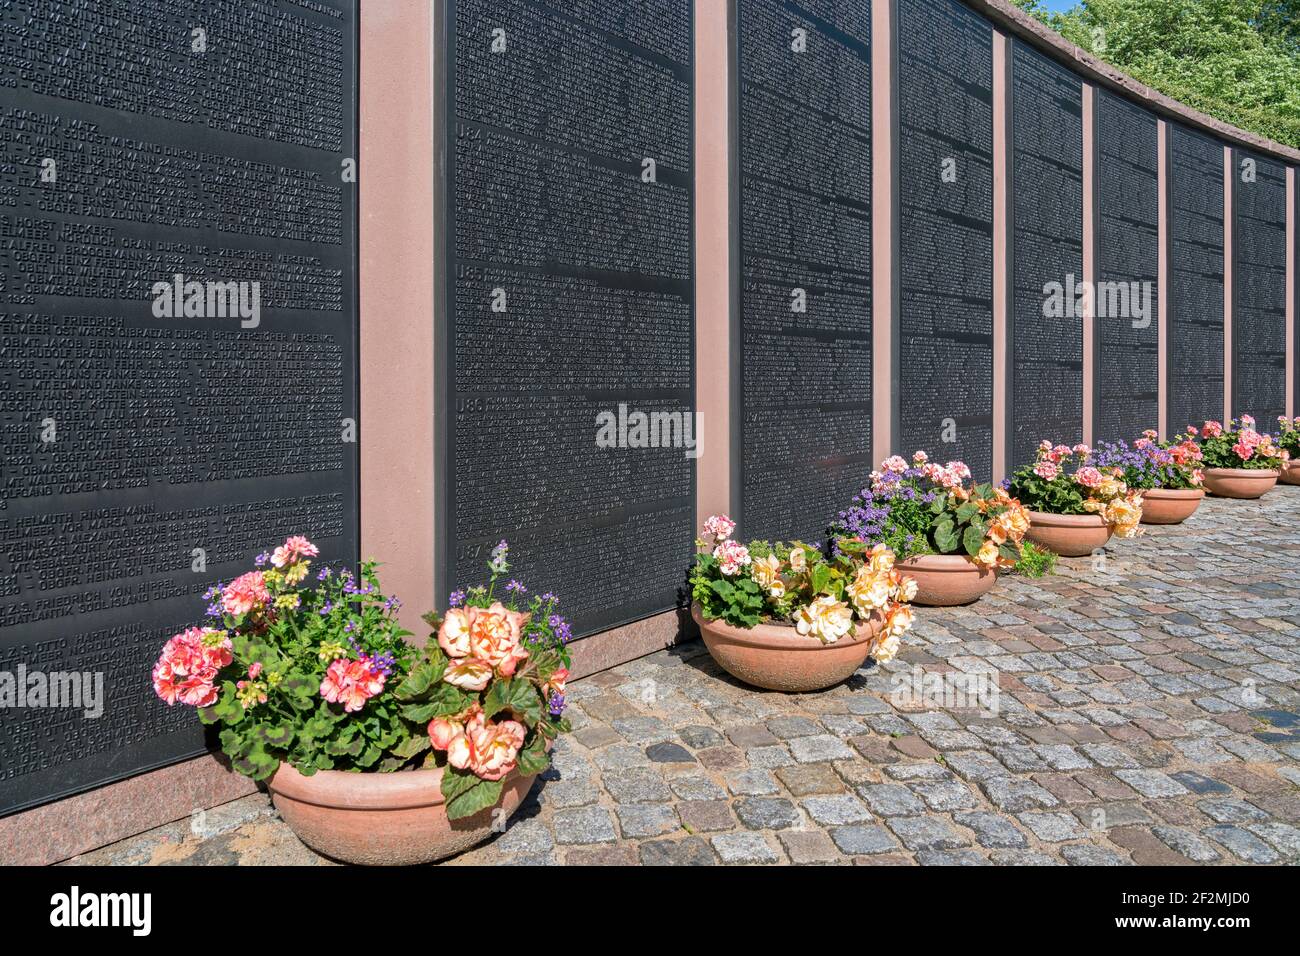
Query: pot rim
[[1176, 493], [943, 563], [363, 790], [1048, 519], [368, 789], [777, 637], [1242, 472]]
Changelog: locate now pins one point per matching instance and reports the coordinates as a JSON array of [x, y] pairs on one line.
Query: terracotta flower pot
[[1239, 482], [944, 580], [1290, 473], [777, 657], [1071, 536], [1169, 505], [383, 818]]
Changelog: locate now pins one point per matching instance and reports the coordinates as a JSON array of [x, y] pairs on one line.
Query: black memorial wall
[[945, 186], [569, 273], [1259, 288], [1126, 297], [1046, 175], [148, 457], [805, 262], [1196, 359]]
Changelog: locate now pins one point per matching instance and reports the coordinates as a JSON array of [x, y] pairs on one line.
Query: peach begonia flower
[[468, 673], [453, 633], [869, 591], [488, 750], [767, 572], [825, 619], [555, 683], [496, 635]]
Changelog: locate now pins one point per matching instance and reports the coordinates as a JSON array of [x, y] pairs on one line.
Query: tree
[[1237, 60]]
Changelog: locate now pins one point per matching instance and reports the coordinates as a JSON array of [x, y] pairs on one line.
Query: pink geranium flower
[[294, 549], [1088, 476], [1047, 470], [351, 683], [720, 526], [188, 667], [245, 594]]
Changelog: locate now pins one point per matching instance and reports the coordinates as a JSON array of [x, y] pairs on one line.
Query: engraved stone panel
[[1196, 356], [146, 458], [1047, 253], [570, 294], [1127, 296], [805, 272], [945, 80], [1259, 288]]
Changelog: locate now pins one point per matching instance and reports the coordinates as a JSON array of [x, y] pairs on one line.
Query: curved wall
[[1058, 252]]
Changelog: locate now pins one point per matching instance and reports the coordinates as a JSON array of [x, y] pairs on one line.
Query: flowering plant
[[1066, 481], [822, 597], [1288, 441], [1150, 463], [1237, 445], [320, 675], [490, 688], [927, 508], [294, 671]]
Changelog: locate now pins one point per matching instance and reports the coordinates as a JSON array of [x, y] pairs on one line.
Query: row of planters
[[803, 617], [377, 751]]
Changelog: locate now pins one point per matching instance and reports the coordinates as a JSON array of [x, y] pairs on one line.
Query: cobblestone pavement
[[1147, 714]]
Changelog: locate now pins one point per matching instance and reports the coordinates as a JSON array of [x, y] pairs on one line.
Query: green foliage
[[1035, 562], [1059, 495], [738, 601], [271, 664], [1237, 60], [1289, 438], [1220, 450], [797, 574]]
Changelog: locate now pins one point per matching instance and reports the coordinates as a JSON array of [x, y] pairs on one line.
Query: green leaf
[[477, 798], [455, 782], [534, 758], [412, 746], [423, 676], [348, 748], [821, 576], [518, 696], [945, 535], [973, 539], [276, 736]]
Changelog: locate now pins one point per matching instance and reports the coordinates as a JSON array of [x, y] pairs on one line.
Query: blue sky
[[1059, 5]]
